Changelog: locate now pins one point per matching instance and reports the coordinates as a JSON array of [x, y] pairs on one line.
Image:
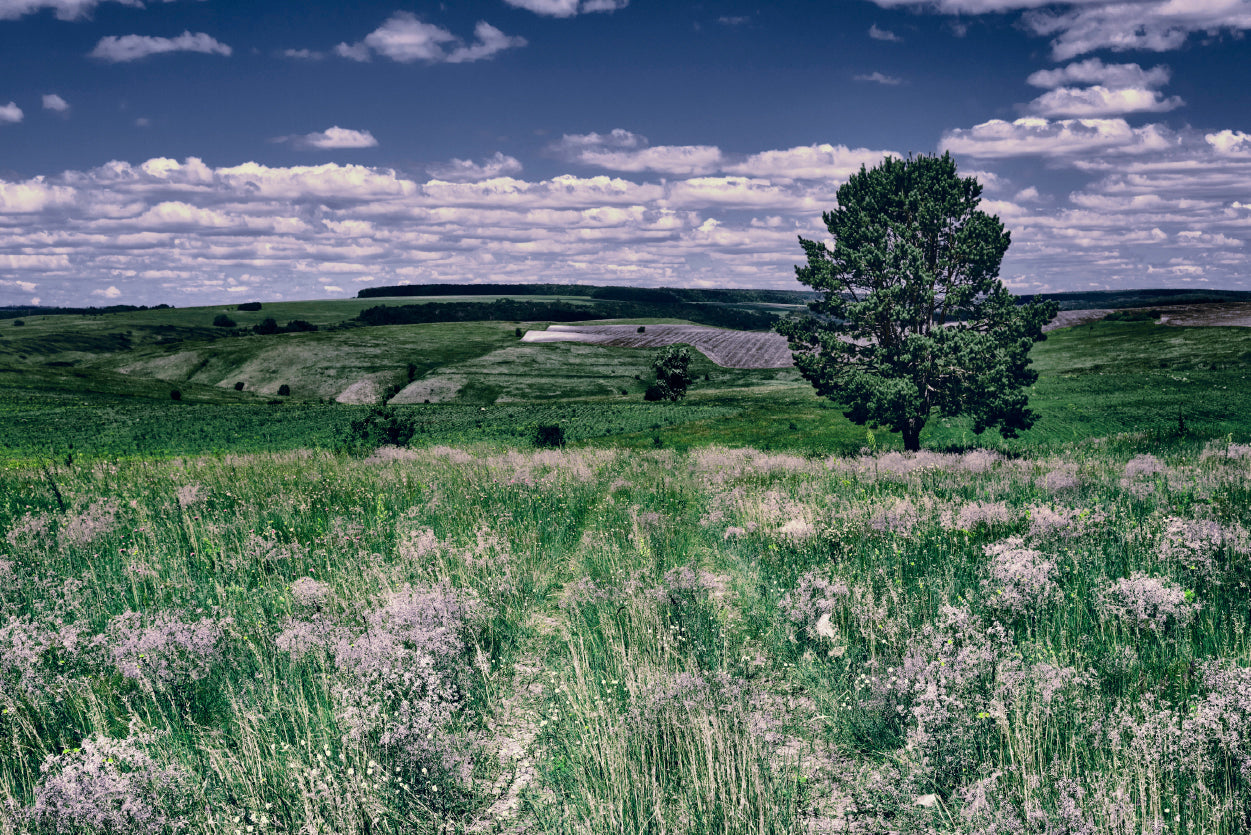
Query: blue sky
[[214, 151]]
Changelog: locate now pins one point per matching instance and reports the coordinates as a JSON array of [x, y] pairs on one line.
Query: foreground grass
[[600, 641]]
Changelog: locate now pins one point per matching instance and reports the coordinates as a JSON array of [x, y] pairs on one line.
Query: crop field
[[728, 349]]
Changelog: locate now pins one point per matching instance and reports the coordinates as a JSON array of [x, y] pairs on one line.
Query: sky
[[197, 152]]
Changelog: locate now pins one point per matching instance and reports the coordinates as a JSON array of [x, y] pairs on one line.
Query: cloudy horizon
[[189, 153]]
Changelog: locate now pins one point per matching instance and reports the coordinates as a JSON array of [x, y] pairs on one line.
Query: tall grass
[[599, 641]]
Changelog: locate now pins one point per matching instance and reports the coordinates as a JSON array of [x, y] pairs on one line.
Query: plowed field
[[727, 348]]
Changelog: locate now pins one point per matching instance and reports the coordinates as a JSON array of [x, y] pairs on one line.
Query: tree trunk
[[912, 435]]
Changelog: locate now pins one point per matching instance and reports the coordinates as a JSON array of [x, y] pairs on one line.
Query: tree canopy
[[673, 375], [914, 318]]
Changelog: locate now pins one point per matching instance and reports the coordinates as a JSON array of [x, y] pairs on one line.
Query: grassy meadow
[[735, 614]]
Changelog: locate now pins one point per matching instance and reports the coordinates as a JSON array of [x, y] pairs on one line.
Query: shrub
[[380, 426], [284, 390], [549, 436], [250, 306], [266, 327], [17, 323], [175, 395], [518, 332], [239, 386], [111, 785], [221, 320], [642, 329]]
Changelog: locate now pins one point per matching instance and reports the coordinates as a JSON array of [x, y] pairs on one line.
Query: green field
[[739, 613], [102, 385]]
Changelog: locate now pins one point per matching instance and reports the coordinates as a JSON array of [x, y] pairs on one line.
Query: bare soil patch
[[727, 348]]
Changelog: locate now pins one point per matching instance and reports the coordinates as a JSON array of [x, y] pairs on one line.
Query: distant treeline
[[516, 310], [661, 295], [1116, 299], [20, 310]]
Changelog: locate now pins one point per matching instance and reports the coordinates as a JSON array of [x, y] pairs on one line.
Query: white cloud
[[303, 54], [1094, 71], [335, 138], [53, 102], [734, 20], [32, 196], [1230, 142], [1061, 138], [110, 292], [832, 163], [622, 150], [165, 225], [568, 8], [1101, 101], [882, 34], [21, 262], [1083, 26], [464, 170], [1157, 26], [489, 41], [406, 39], [63, 9], [10, 113], [24, 286], [879, 78], [133, 47]]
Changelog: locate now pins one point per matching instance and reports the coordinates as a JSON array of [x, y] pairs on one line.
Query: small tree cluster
[[380, 426], [673, 375]]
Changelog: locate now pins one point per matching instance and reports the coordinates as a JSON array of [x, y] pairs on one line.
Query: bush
[[380, 426], [17, 323], [239, 386], [642, 329], [284, 390], [175, 395], [221, 320], [519, 333], [673, 375], [299, 326], [266, 327], [250, 306], [549, 436]]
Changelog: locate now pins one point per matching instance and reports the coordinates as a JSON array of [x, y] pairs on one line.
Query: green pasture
[[103, 385]]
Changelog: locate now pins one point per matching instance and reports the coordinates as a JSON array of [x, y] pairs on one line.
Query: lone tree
[[914, 317], [673, 375]]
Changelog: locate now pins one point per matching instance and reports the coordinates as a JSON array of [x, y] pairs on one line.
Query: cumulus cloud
[[567, 8], [53, 102], [464, 170], [831, 163], [406, 39], [303, 54], [1102, 101], [882, 34], [333, 138], [1060, 138], [110, 292], [879, 78], [621, 150], [302, 227], [1094, 71], [10, 114], [115, 49], [1230, 142]]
